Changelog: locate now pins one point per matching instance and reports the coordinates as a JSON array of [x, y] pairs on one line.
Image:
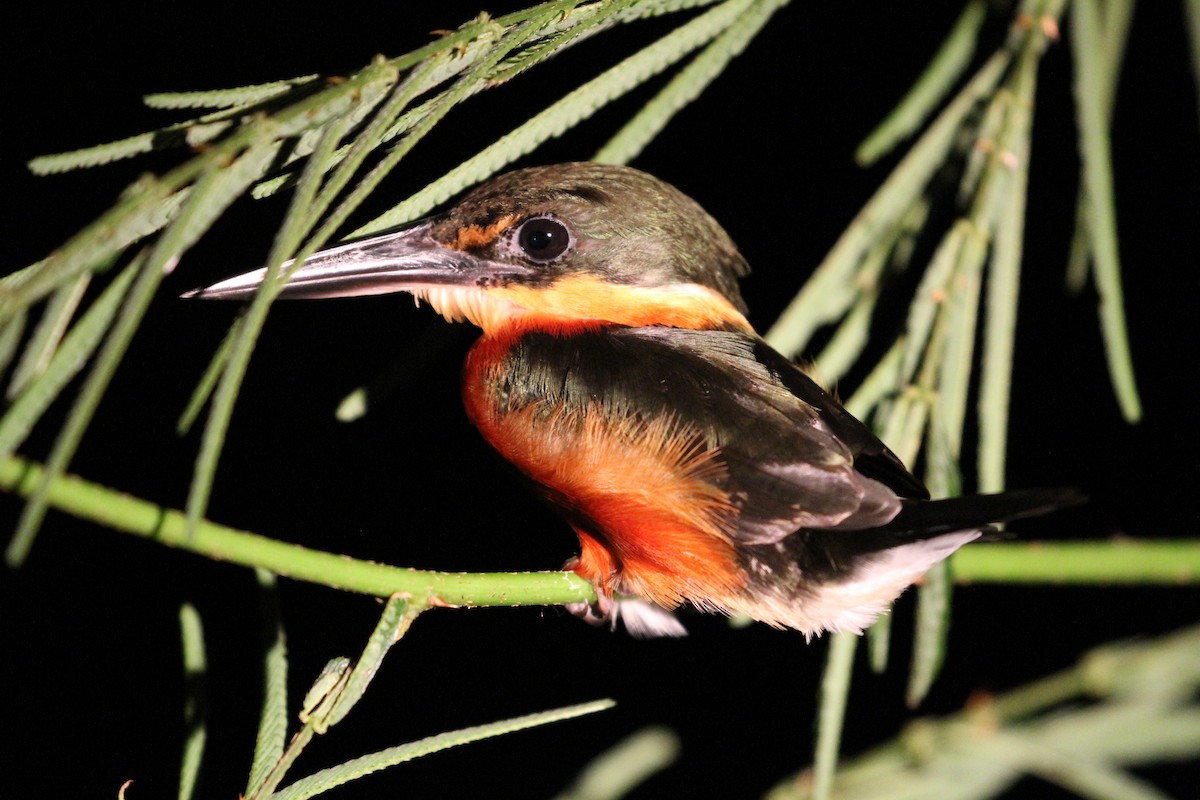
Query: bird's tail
[[924, 518]]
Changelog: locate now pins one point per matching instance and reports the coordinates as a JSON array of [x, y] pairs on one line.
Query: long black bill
[[391, 262]]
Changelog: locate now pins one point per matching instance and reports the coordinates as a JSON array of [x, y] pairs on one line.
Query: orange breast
[[644, 495]]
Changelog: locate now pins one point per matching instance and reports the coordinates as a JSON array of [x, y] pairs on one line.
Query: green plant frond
[[215, 191], [225, 98], [1000, 320], [944, 70], [235, 181], [982, 150], [935, 591], [932, 629], [1116, 18], [1136, 716], [208, 381], [828, 293], [96, 155], [332, 676], [879, 384], [370, 97], [78, 345], [353, 406], [1079, 773], [10, 340], [210, 199], [1162, 672], [961, 308], [434, 71], [307, 143], [273, 718], [304, 148], [307, 207], [620, 769], [338, 689], [1125, 732], [192, 133], [461, 89], [14, 280], [146, 207], [879, 642], [231, 104], [1087, 49], [984, 180], [931, 293], [564, 114], [685, 87], [572, 28], [231, 361], [853, 333], [344, 773], [847, 343], [398, 615], [136, 302], [151, 203], [48, 334], [569, 28], [899, 422], [195, 673], [942, 473], [835, 691], [1003, 281]]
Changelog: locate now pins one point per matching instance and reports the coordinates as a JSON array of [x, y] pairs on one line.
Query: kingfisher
[[617, 372]]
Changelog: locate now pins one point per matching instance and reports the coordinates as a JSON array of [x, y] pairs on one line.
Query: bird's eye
[[543, 238]]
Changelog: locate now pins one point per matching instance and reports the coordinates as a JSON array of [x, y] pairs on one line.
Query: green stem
[[1129, 562], [1165, 562], [167, 526], [337, 700], [835, 690]]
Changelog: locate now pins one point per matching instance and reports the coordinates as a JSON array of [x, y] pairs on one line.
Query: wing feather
[[793, 457]]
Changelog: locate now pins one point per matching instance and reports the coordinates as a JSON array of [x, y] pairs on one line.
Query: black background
[[94, 687]]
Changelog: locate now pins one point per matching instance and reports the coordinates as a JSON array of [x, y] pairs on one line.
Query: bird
[[618, 373]]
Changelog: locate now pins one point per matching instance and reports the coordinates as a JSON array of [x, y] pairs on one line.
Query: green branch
[[1130, 562], [1165, 562], [121, 512], [1139, 709]]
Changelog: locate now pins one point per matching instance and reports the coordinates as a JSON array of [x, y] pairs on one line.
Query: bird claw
[[642, 619]]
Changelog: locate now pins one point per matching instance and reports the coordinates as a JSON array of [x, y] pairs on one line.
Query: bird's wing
[[792, 457], [871, 457], [795, 457]]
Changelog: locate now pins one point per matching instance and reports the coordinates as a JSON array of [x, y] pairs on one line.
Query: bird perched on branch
[[618, 374]]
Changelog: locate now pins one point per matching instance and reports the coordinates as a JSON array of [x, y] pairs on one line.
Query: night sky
[[94, 684]]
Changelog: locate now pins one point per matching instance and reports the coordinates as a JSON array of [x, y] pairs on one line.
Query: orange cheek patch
[[577, 298], [478, 236]]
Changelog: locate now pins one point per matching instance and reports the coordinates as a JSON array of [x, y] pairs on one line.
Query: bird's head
[[549, 247]]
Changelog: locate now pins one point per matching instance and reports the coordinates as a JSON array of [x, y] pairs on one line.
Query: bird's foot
[[642, 619]]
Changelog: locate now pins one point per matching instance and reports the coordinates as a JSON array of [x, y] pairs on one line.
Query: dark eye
[[543, 238]]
